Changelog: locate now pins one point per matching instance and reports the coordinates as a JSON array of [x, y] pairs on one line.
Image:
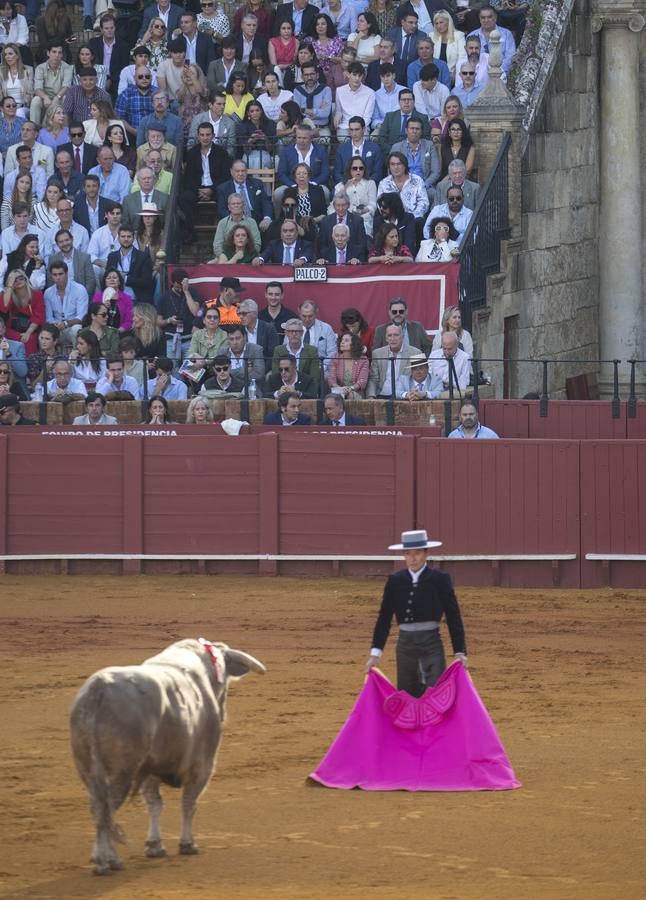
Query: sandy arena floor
[[562, 675]]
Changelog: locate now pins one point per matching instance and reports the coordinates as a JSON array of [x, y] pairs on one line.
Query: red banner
[[428, 288]]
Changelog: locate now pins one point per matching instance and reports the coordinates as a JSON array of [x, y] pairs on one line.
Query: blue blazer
[[275, 418], [395, 35], [17, 361], [81, 214], [273, 252], [261, 205], [371, 156], [152, 12], [319, 165]]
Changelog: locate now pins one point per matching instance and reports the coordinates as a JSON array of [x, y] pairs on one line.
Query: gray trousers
[[420, 660]]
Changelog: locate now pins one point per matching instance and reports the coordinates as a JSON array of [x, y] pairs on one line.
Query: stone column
[[620, 217]]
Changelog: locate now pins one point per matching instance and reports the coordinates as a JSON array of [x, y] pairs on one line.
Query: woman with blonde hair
[[155, 40], [16, 79], [199, 412], [192, 95], [452, 321], [54, 28], [21, 193], [151, 341], [448, 44], [23, 310], [54, 131]]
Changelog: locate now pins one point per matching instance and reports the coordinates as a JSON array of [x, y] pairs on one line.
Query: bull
[[136, 727]]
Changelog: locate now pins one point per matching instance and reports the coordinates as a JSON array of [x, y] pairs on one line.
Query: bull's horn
[[244, 659]]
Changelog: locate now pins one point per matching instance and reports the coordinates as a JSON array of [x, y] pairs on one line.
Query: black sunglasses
[[221, 368]]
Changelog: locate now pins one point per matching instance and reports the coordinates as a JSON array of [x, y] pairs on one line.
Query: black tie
[[306, 339], [405, 49], [405, 119]]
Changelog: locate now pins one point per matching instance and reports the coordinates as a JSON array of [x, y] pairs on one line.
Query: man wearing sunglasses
[[413, 332], [83, 155], [136, 102], [287, 379], [224, 381], [10, 414], [454, 208]]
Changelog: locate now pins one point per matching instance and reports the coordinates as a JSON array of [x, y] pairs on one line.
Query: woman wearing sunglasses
[[361, 191]]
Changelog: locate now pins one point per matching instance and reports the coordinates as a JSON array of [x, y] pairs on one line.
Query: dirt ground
[[562, 674]]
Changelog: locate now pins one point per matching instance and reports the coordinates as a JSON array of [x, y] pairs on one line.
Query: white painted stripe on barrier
[[287, 557], [617, 557]]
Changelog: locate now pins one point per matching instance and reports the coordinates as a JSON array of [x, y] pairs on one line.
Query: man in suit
[[221, 70], [131, 206], [386, 51], [168, 12], [83, 155], [79, 264], [393, 127], [369, 152], [457, 177], [290, 250], [64, 173], [303, 151], [335, 413], [300, 13], [423, 159], [337, 253], [258, 332], [42, 155], [247, 40], [89, 207], [357, 242], [288, 380], [289, 412], [380, 383], [413, 332], [306, 356], [135, 266], [255, 199], [317, 333], [200, 48], [419, 383], [224, 127], [246, 359], [198, 184], [406, 36], [119, 52]]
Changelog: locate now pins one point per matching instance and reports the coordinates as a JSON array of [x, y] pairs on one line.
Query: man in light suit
[[393, 127], [413, 332], [131, 206], [221, 70], [224, 128], [43, 156], [258, 332], [289, 247], [457, 177], [255, 199], [317, 334], [356, 247], [306, 356], [380, 382], [79, 264], [423, 159], [168, 12], [245, 358]]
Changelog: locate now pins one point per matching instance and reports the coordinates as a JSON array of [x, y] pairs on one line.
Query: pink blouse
[[360, 369]]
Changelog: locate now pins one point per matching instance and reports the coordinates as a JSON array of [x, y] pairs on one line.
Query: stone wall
[[549, 290]]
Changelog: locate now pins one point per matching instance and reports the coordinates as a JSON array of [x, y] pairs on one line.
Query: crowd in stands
[[358, 110]]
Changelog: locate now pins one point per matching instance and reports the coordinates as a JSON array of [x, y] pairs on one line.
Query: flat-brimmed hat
[[415, 540], [8, 401], [418, 360], [228, 282], [150, 209]]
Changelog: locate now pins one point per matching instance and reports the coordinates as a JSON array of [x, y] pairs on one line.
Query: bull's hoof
[[189, 849], [154, 849], [116, 865], [102, 869]]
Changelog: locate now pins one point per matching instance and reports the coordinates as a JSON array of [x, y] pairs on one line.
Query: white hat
[[415, 540], [232, 426], [150, 209], [418, 360]]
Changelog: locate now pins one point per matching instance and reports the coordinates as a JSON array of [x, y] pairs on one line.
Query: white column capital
[[633, 21]]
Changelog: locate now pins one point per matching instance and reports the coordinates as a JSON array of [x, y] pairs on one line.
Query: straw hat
[[415, 540]]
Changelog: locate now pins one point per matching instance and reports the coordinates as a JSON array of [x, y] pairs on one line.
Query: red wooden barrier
[[508, 418], [565, 420], [636, 428]]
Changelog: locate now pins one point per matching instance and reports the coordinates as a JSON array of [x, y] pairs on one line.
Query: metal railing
[[170, 237], [489, 225]]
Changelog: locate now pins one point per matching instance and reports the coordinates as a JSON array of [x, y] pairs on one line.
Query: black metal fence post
[[544, 394], [632, 397], [616, 403]]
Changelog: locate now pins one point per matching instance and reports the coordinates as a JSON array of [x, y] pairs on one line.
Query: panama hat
[[150, 209], [415, 540]]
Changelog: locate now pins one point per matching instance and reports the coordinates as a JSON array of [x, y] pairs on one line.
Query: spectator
[[79, 97], [326, 42], [219, 73], [393, 127], [10, 413], [26, 165], [224, 381], [290, 250], [115, 300], [385, 14], [96, 319], [165, 384], [353, 100], [348, 371], [83, 155], [26, 258], [288, 380], [293, 75], [275, 313], [10, 123], [63, 388], [54, 26], [246, 359], [237, 97], [13, 28], [210, 341], [20, 195], [306, 356], [12, 235], [79, 264], [413, 332], [105, 240], [261, 11], [136, 101], [300, 13], [443, 246], [313, 155], [315, 100], [420, 154], [191, 96], [361, 192], [115, 383], [45, 213], [65, 175], [23, 310], [452, 321], [258, 332], [356, 246], [161, 116], [475, 57], [249, 43], [89, 367], [447, 41], [42, 156], [236, 216], [66, 303], [289, 411], [290, 118], [273, 98], [388, 248], [488, 22], [385, 56], [454, 209], [136, 368], [16, 79], [457, 143], [51, 81], [65, 210], [282, 49], [200, 49], [238, 246], [310, 199], [158, 412], [452, 110], [335, 414], [169, 73], [9, 384], [365, 39], [163, 180], [170, 11], [410, 188], [199, 412], [257, 68], [86, 59], [115, 139], [255, 137], [47, 353], [337, 253], [177, 310], [406, 36], [386, 97], [352, 321], [425, 50], [113, 54], [429, 93], [450, 363], [114, 180], [468, 91], [140, 56], [206, 167], [226, 302], [394, 356], [156, 140], [135, 265], [256, 202], [317, 333], [13, 354], [155, 40], [470, 426], [95, 413], [418, 383]]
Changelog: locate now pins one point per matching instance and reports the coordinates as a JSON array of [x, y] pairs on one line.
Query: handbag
[[20, 323]]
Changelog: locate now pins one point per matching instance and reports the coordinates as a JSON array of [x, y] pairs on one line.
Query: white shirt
[[271, 105], [440, 367], [79, 235], [430, 103], [354, 103], [191, 47], [103, 242], [386, 387], [104, 386], [207, 181]]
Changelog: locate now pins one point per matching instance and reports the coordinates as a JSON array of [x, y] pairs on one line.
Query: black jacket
[[88, 154], [357, 242], [219, 166], [140, 276]]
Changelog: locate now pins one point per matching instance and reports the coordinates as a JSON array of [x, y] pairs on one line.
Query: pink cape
[[442, 741]]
